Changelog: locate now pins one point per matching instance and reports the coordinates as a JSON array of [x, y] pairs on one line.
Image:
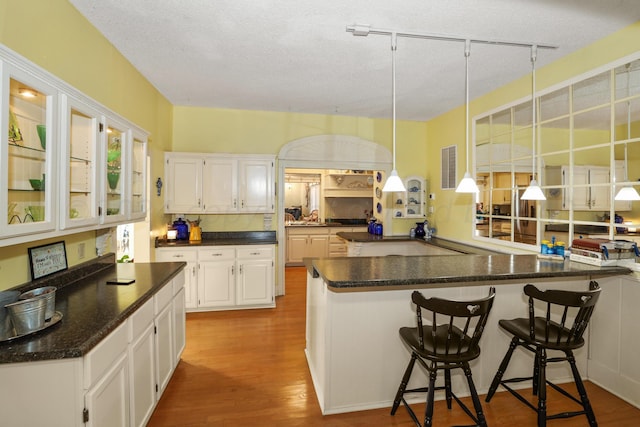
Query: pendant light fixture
[[533, 191], [627, 193], [468, 184], [393, 183]]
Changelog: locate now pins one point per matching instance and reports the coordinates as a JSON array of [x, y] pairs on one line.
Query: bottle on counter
[[378, 229]]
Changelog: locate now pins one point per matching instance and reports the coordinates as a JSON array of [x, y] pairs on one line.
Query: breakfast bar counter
[[356, 305]]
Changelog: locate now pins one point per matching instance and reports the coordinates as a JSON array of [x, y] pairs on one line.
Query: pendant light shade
[[627, 194], [533, 191], [468, 184], [393, 182]]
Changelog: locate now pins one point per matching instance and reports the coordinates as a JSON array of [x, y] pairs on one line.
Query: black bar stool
[[539, 334], [449, 342]]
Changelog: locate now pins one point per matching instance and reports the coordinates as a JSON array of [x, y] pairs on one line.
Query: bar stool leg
[[541, 356], [501, 370], [536, 373], [403, 384], [474, 396], [447, 386], [581, 390], [428, 415]]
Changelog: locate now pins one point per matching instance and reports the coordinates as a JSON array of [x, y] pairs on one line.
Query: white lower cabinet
[[142, 364], [255, 276], [226, 277], [216, 277], [190, 256], [117, 383], [107, 401]]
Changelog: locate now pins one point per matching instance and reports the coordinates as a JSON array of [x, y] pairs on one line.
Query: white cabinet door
[[599, 188], [29, 171], [220, 186], [255, 282], [296, 248], [142, 378], [255, 276], [164, 347], [216, 283], [78, 183], [179, 325], [318, 246], [256, 186], [183, 180], [107, 402], [190, 256], [581, 199]]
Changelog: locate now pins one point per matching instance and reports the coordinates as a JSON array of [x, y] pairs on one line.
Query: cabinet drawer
[[104, 355], [168, 255], [139, 320], [163, 297], [216, 254], [262, 252], [333, 239]]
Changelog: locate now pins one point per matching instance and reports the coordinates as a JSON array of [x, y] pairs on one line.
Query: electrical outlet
[[431, 209], [432, 196], [81, 250]]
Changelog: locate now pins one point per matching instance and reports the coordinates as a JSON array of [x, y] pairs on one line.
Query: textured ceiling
[[285, 55]]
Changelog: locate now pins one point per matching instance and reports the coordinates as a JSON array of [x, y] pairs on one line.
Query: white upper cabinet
[[136, 200], [79, 135], [219, 183], [66, 162], [30, 137], [256, 190]]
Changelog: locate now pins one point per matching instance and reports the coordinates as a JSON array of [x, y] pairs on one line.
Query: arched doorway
[[323, 152]]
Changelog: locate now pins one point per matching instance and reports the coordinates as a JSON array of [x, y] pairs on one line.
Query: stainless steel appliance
[[524, 229]]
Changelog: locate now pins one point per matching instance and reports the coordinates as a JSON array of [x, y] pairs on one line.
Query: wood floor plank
[[247, 367]]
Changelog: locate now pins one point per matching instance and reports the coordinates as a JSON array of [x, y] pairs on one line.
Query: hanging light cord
[[467, 53], [394, 47], [534, 55]]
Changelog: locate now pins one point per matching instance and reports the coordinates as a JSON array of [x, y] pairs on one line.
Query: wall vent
[[448, 167]]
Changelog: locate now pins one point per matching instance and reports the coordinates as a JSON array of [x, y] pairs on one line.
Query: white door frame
[[323, 152]]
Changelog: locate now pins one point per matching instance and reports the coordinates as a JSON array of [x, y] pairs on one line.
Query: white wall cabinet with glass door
[[28, 181], [58, 166], [80, 139]]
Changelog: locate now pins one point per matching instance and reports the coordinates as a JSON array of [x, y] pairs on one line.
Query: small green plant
[[114, 152]]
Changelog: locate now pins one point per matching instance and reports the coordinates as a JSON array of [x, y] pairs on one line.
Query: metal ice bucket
[[27, 315], [46, 292]]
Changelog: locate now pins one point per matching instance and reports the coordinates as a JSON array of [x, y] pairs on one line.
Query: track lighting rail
[[365, 30]]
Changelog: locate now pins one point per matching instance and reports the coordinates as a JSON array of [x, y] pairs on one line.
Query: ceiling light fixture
[[627, 193], [468, 184], [393, 183], [27, 93], [364, 30], [533, 191]]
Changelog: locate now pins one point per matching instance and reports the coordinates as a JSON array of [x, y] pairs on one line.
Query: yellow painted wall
[[53, 35], [264, 132], [454, 212]]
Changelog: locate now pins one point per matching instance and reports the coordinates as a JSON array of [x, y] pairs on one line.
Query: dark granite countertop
[[364, 237], [396, 272], [91, 309], [224, 238]]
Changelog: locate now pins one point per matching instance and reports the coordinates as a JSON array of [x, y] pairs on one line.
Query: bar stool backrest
[[576, 309], [456, 326]]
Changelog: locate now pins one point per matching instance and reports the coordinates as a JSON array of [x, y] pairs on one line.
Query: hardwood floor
[[248, 367]]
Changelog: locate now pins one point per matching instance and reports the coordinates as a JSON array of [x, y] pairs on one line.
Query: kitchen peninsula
[[356, 305], [109, 358]]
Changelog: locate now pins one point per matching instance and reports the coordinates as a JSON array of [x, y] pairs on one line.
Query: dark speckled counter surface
[[91, 309], [224, 238], [477, 266], [392, 272]]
